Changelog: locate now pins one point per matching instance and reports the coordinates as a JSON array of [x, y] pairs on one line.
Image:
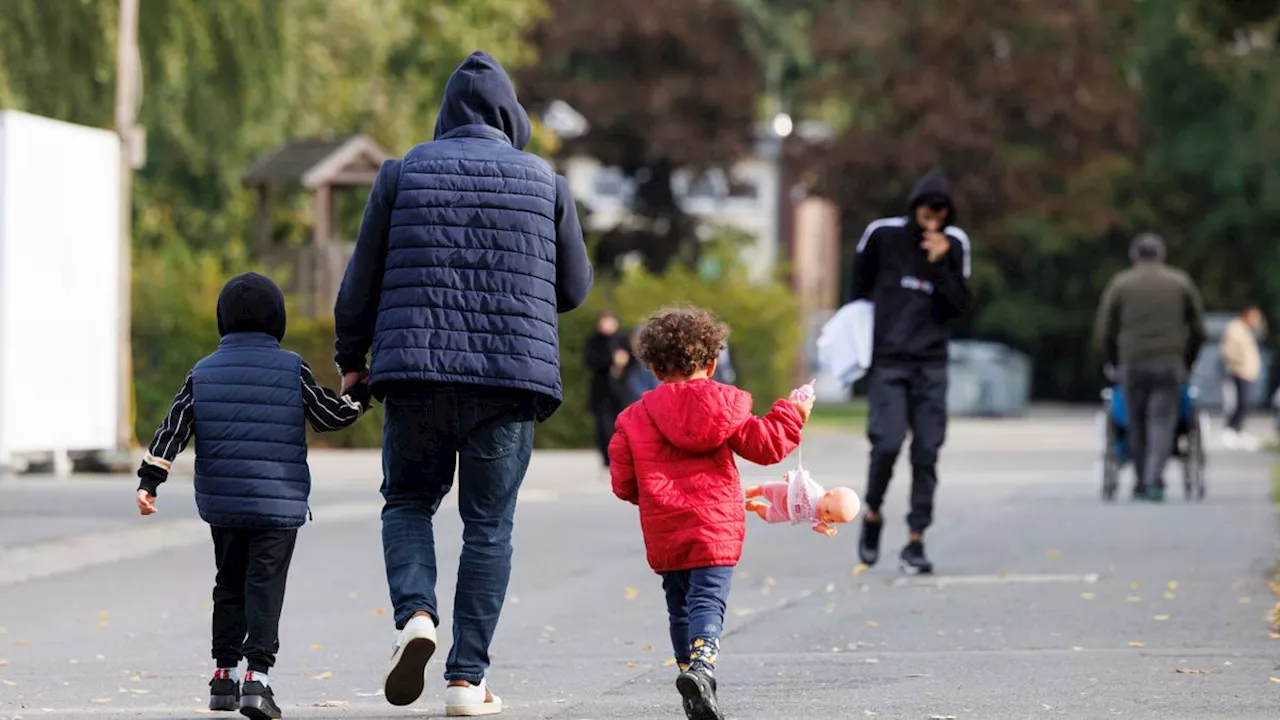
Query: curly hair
[[681, 341]]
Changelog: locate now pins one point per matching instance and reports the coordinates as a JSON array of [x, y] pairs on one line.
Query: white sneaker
[[407, 673], [1230, 439], [471, 701], [1248, 442]]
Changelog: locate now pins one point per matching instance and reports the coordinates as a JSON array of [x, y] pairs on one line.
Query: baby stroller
[[1188, 444]]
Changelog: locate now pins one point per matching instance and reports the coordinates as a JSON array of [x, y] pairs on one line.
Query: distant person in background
[[915, 269], [724, 368], [1243, 363], [640, 379], [606, 357], [1151, 325]]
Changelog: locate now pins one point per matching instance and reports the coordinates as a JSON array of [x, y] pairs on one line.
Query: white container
[[59, 304]]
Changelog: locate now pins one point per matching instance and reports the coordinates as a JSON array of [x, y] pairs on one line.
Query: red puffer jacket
[[672, 455]]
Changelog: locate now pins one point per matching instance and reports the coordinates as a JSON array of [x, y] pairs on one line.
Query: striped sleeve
[[171, 437], [325, 409]]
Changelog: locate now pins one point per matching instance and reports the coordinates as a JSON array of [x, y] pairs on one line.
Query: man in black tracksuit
[[915, 269]]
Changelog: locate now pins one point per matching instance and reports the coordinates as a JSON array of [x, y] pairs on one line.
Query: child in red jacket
[[673, 455]]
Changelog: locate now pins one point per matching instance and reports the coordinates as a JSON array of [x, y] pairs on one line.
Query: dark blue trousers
[[696, 602]]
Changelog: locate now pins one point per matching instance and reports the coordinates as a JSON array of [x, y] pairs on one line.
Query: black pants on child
[[902, 398], [695, 604], [249, 594]]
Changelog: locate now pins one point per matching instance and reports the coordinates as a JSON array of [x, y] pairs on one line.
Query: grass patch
[[839, 415]]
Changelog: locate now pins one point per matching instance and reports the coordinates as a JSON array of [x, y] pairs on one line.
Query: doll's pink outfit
[[794, 500]]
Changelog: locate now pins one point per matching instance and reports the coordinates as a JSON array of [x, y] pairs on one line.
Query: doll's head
[[838, 505]]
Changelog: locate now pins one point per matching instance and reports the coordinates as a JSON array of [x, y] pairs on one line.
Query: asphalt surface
[[1048, 603]]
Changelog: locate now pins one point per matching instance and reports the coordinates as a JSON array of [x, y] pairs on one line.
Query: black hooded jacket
[[916, 301]]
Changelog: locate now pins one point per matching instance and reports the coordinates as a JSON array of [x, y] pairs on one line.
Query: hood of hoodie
[[250, 302], [933, 187], [697, 416], [480, 93]]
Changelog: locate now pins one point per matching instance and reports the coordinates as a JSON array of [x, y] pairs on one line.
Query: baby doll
[[799, 499]]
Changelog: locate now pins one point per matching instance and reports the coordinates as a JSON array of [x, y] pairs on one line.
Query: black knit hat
[[250, 302]]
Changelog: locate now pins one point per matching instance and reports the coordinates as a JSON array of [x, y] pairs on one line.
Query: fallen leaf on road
[[1087, 596], [3, 662], [668, 662], [646, 648], [379, 612], [831, 587], [136, 678], [317, 647], [138, 691], [73, 661], [872, 661], [1133, 598], [835, 649], [1173, 585], [331, 703], [100, 657], [1054, 554], [10, 683], [1133, 586], [1046, 707], [942, 717], [1076, 648], [1169, 596], [323, 676], [1275, 679], [742, 612], [104, 615], [631, 664], [1192, 671], [942, 633], [1246, 600], [1160, 618], [513, 600], [4, 630], [861, 568], [550, 628], [100, 700], [830, 608], [21, 643], [873, 624], [375, 693], [770, 582], [630, 593], [1137, 644], [101, 624], [868, 713]]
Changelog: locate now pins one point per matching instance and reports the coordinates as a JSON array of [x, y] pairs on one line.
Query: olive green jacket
[[1150, 313]]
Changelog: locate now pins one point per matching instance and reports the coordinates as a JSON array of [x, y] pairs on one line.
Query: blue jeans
[[487, 436], [696, 602]]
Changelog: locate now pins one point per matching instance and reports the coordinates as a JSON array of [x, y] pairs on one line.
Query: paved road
[[1049, 603]]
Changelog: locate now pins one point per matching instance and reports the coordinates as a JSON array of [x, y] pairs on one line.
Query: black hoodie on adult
[[916, 301]]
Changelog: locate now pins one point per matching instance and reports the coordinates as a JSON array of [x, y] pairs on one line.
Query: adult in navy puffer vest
[[251, 440], [468, 250]]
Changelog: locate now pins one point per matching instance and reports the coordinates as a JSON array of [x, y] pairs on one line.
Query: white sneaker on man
[[407, 672], [471, 701]]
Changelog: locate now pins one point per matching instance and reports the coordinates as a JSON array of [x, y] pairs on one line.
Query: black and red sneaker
[[224, 693]]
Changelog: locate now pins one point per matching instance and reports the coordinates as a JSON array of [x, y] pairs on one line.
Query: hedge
[[175, 325]]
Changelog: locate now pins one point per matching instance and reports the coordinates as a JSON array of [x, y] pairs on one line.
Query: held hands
[[146, 503], [352, 379]]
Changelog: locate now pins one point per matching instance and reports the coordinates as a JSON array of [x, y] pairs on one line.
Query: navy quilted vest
[[251, 441], [469, 287]]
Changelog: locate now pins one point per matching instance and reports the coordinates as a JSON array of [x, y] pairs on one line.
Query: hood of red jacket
[[697, 416]]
